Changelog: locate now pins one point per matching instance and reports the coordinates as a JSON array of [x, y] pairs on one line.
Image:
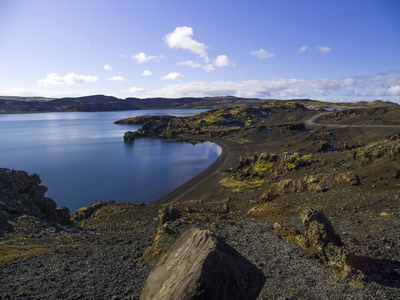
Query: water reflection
[[81, 157]]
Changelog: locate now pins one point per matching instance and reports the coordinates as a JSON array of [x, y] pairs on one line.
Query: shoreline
[[208, 177]]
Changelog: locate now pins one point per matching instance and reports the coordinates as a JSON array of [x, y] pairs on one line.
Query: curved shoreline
[[189, 190], [202, 185]]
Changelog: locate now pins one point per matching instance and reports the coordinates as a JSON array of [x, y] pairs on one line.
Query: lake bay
[[82, 157]]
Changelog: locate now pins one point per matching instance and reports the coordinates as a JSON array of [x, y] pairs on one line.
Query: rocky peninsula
[[312, 205]]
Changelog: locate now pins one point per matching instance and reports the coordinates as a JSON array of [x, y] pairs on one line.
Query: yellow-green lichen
[[262, 166]]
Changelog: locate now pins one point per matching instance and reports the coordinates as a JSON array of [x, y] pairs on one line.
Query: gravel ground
[[111, 268]]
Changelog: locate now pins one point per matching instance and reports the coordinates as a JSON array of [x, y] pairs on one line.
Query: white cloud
[[394, 90], [173, 76], [362, 87], [134, 90], [303, 48], [38, 92], [189, 63], [209, 68], [69, 79], [147, 73], [116, 78], [107, 68], [223, 61], [323, 49], [123, 56], [143, 57], [262, 54], [182, 37], [291, 93]]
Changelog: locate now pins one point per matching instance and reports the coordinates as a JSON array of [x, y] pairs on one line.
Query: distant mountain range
[[108, 103]]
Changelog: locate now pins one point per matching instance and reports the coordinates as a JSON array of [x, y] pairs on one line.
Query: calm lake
[[82, 157]]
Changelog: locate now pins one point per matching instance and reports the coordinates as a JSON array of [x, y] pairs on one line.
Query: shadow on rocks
[[382, 271]]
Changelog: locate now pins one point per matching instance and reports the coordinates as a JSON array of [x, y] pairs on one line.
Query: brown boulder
[[199, 265], [320, 239], [349, 177]]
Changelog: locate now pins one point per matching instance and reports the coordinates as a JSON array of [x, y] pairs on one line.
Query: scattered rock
[[168, 213], [200, 265], [221, 208], [165, 236], [349, 177], [190, 210]]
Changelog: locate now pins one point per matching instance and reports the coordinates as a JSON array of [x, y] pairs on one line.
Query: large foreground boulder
[[199, 265]]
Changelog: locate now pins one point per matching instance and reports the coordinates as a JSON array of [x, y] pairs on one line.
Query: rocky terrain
[[315, 208]]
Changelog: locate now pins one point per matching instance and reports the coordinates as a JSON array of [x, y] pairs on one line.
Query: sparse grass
[[10, 252]]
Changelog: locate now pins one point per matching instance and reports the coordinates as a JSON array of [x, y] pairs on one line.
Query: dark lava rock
[[200, 265], [168, 213], [22, 194]]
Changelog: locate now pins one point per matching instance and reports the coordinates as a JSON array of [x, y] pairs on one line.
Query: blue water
[[82, 157]]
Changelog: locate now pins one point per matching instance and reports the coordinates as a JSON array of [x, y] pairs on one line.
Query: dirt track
[[314, 119]]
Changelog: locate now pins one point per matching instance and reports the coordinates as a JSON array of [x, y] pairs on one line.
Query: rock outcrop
[[267, 165], [22, 194], [310, 183], [384, 149], [320, 239], [85, 212], [200, 265]]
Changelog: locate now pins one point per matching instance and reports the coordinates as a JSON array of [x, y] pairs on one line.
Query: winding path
[[312, 121]]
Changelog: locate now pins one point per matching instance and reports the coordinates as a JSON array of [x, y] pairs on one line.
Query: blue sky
[[280, 49]]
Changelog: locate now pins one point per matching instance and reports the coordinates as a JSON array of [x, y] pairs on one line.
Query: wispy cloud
[[303, 48], [40, 92], [189, 63], [173, 76], [262, 54], [208, 68], [223, 61], [143, 57], [107, 68], [134, 90], [69, 79], [359, 86], [323, 49], [182, 38], [147, 73], [116, 78]]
